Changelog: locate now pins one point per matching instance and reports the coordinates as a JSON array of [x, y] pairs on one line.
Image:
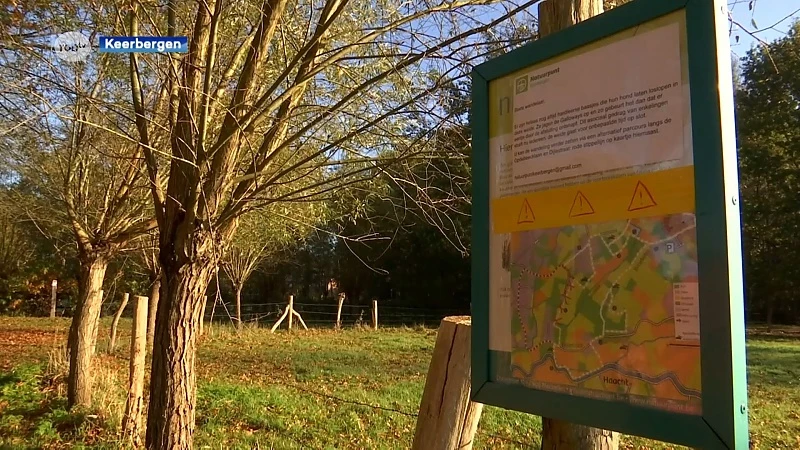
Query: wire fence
[[323, 315], [340, 400]]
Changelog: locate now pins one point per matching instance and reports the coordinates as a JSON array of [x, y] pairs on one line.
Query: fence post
[[291, 310], [339, 311], [132, 421], [447, 419], [286, 312], [53, 294], [374, 314], [112, 342]]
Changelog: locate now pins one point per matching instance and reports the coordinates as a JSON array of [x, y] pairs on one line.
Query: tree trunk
[[560, 435], [112, 342], [83, 331], [171, 414], [555, 15], [239, 307], [155, 291], [203, 314]]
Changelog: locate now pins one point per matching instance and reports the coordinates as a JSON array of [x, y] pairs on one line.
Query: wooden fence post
[[132, 421], [291, 311], [374, 314], [447, 419], [53, 293], [112, 343], [339, 311]]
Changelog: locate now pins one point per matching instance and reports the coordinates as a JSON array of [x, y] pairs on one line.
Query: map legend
[[687, 311]]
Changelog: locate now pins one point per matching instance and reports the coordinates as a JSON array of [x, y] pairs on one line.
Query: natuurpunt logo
[[72, 46]]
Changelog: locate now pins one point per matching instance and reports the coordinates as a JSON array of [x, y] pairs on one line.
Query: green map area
[[609, 311]]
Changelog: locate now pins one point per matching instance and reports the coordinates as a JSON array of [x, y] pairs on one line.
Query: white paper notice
[[615, 107], [687, 311]]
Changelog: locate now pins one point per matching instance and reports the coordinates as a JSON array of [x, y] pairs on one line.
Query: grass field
[[318, 389]]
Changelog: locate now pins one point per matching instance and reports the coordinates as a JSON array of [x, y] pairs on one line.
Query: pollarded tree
[[70, 147], [276, 101]]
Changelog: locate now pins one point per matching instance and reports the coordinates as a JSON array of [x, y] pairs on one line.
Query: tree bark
[[203, 315], [171, 414], [560, 435], [555, 15], [155, 291], [112, 342], [239, 307], [83, 331]]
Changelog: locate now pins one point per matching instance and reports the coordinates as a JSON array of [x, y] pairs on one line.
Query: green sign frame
[[723, 423]]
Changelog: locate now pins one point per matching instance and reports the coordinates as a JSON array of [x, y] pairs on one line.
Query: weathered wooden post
[[291, 311], [374, 314], [447, 419], [53, 293], [132, 420], [339, 311], [112, 342]]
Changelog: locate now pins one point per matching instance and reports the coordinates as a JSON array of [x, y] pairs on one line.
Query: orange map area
[[596, 311]]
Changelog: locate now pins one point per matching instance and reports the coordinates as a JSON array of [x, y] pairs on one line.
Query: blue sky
[[772, 19]]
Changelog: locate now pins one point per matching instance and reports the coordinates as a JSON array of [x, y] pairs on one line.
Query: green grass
[[321, 389]]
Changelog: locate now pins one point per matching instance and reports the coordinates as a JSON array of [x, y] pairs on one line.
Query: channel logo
[[144, 44], [72, 46]]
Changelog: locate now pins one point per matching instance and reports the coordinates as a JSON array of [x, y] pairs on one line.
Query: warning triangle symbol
[[580, 206], [642, 198], [526, 213]]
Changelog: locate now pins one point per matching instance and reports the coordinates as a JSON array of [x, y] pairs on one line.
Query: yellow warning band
[[651, 194]]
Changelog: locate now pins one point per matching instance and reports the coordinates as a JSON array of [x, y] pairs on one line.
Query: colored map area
[[609, 311]]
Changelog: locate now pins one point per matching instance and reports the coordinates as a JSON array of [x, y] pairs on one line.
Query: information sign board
[[606, 244]]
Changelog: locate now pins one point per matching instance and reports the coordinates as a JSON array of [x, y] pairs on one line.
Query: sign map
[[594, 267], [599, 307]]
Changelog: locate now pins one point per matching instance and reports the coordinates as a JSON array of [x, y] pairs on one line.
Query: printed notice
[[618, 106], [687, 311]]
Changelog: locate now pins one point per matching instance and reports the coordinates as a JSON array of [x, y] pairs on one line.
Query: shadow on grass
[[8, 378], [33, 416], [773, 362]]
